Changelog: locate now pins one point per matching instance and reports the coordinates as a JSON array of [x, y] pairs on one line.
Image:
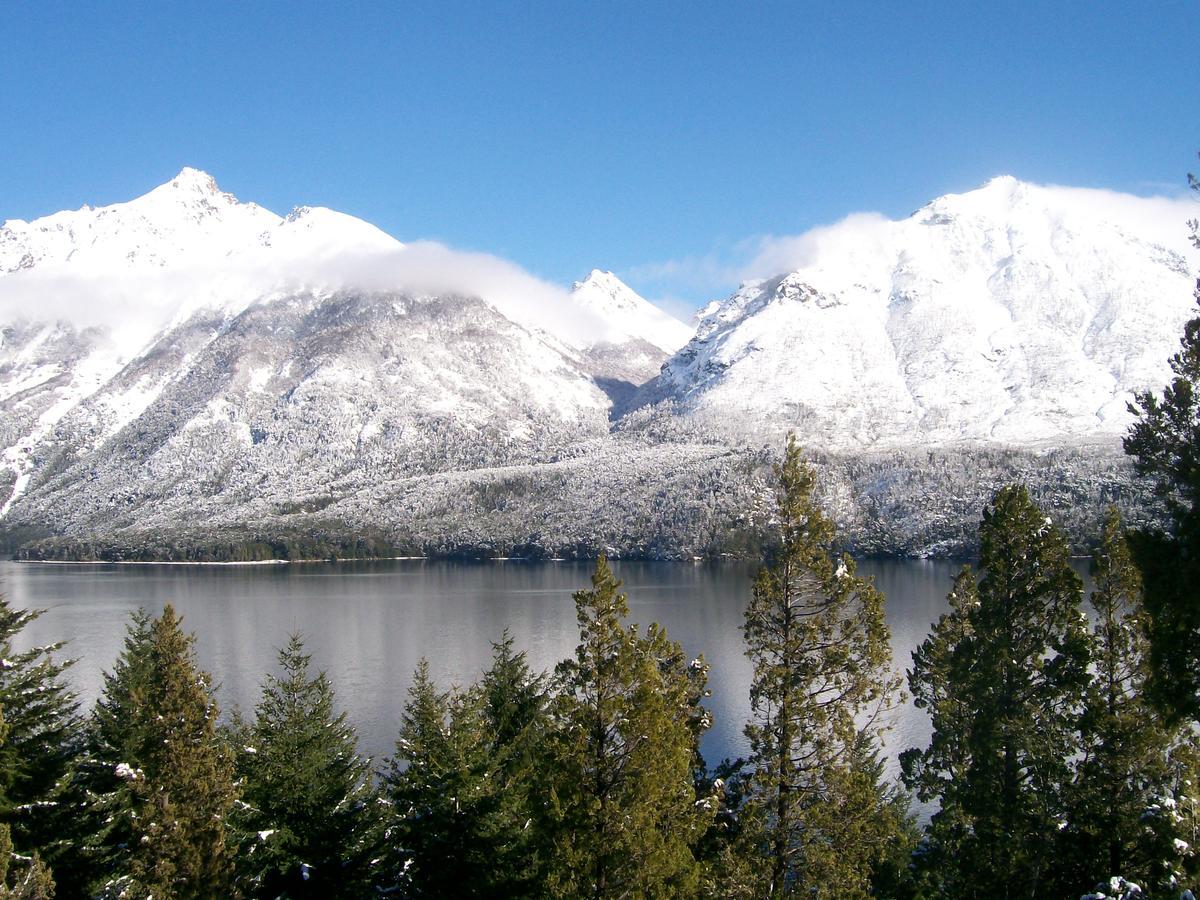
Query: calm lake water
[[368, 623]]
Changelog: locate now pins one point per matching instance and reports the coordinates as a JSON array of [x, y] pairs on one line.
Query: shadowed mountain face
[[290, 396]]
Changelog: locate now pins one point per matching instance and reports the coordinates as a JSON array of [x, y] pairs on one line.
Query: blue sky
[[660, 140]]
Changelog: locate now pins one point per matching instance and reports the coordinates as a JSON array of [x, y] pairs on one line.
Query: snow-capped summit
[[185, 219], [627, 315], [1015, 313], [309, 231]]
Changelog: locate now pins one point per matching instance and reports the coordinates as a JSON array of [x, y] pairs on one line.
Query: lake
[[368, 623]]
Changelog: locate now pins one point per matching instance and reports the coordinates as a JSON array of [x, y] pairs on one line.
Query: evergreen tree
[[1127, 748], [514, 697], [1004, 676], [442, 793], [309, 814], [515, 730], [44, 732], [822, 677], [932, 773], [159, 777], [623, 814], [21, 877], [1164, 442]]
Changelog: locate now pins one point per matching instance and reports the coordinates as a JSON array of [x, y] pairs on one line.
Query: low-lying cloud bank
[[134, 303]]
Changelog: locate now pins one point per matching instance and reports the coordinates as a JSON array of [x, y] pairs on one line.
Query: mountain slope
[[1014, 314], [290, 396]]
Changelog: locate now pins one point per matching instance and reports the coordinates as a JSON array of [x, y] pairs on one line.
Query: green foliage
[[1164, 442], [21, 877], [817, 818], [160, 779], [1128, 754], [309, 817], [1003, 676], [623, 813], [443, 795], [516, 723], [43, 737]]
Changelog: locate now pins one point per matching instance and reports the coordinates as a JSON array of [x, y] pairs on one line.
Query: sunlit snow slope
[[1014, 314]]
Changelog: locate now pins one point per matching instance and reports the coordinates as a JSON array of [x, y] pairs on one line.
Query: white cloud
[[863, 238], [863, 233], [134, 303]]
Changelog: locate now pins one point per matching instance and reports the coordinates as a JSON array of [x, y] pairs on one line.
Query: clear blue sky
[[566, 136]]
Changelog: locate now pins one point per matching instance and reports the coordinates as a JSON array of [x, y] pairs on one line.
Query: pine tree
[[934, 681], [623, 813], [442, 794], [160, 778], [816, 634], [1164, 442], [44, 731], [515, 698], [1127, 748], [309, 814], [21, 877], [1003, 676], [514, 708]]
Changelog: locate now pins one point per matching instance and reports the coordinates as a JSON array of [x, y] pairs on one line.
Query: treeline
[[1050, 769], [632, 501]]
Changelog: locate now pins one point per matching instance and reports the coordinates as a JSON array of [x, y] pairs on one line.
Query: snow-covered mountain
[[631, 339], [189, 374], [187, 219], [1015, 313], [185, 334]]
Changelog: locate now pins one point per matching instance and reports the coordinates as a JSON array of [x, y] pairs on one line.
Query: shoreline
[[184, 562]]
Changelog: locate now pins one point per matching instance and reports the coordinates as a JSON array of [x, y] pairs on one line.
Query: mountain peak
[[627, 313], [603, 279], [195, 179], [182, 219], [189, 186]]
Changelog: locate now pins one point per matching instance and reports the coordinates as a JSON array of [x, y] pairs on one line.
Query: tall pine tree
[[623, 813], [1164, 442], [818, 817], [160, 777], [1004, 676], [443, 795], [516, 722], [21, 877], [44, 732], [933, 773], [1125, 768], [309, 814]]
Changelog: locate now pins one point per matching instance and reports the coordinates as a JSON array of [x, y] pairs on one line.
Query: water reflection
[[368, 623]]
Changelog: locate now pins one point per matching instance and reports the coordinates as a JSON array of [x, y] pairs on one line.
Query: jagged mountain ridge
[[1014, 314]]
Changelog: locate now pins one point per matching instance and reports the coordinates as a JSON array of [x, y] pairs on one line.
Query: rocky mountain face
[[189, 376]]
